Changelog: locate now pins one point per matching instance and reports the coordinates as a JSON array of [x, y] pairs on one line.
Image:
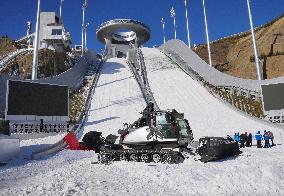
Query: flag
[[85, 3], [173, 14]]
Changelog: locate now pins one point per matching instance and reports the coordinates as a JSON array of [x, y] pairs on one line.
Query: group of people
[[245, 139], [267, 135]]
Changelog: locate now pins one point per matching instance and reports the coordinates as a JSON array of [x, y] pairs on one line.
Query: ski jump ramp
[[207, 114], [117, 99]]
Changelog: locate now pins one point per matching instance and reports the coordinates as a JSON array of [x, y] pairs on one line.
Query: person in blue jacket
[[258, 138], [237, 137], [266, 139]]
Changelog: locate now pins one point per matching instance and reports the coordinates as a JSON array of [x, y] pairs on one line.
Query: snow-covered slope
[[117, 99], [71, 173], [208, 116]]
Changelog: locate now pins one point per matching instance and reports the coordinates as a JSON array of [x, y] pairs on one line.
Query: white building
[[52, 34]]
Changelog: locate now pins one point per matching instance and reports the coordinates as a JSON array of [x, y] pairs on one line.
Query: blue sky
[[225, 17]]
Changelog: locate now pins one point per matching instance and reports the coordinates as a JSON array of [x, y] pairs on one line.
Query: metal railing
[[145, 78], [142, 80]]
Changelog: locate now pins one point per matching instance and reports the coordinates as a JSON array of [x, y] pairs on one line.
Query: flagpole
[[60, 10], [35, 57], [175, 27], [163, 25], [187, 26], [83, 26], [86, 34], [259, 76], [207, 34], [173, 15]]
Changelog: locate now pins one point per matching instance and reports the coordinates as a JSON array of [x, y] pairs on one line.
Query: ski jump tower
[[122, 37]]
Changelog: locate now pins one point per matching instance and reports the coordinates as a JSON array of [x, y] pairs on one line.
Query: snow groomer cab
[[162, 129]]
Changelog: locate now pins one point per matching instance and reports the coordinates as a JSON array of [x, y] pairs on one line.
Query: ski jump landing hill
[[251, 89], [172, 87]]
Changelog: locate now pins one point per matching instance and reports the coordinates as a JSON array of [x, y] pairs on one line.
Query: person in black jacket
[[249, 140], [148, 111], [242, 140], [246, 139]]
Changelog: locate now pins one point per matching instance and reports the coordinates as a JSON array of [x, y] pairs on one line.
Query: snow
[[117, 99], [207, 116], [71, 173], [10, 148]]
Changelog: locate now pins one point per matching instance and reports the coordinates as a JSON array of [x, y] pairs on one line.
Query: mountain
[[234, 54]]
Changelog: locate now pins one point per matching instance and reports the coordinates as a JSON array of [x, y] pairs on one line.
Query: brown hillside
[[234, 55], [6, 46], [50, 63]]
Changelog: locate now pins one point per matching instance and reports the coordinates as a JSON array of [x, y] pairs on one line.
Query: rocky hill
[[50, 62], [6, 46], [234, 54]]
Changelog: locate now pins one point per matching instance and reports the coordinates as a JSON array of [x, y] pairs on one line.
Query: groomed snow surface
[[117, 99]]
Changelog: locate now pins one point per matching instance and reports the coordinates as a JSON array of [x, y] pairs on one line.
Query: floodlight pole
[[187, 26], [35, 58], [60, 10], [86, 34], [259, 76], [173, 15], [163, 25], [83, 29], [207, 34], [175, 27]]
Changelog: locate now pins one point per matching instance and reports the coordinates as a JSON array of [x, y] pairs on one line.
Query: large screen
[[28, 98], [273, 96]]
